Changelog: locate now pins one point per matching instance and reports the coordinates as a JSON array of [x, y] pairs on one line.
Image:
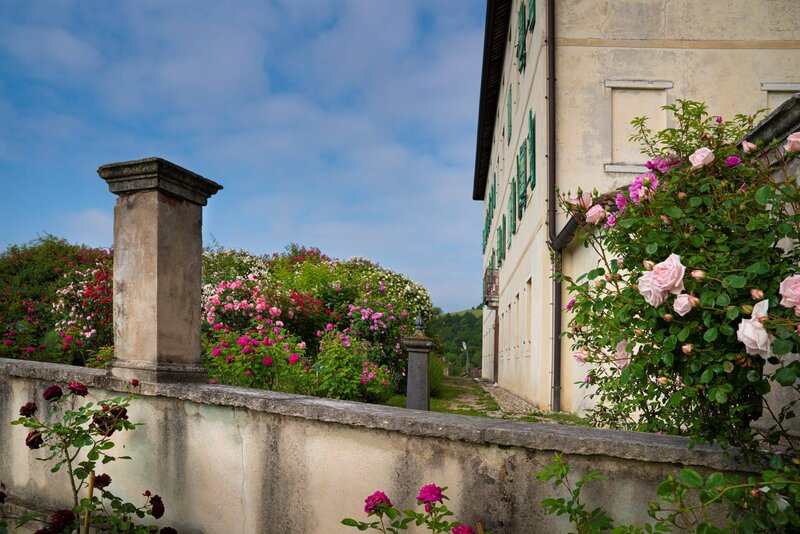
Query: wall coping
[[572, 440]]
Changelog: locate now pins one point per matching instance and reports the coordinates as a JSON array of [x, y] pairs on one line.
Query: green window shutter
[[522, 33], [508, 108], [512, 206], [532, 148], [532, 16], [522, 179]]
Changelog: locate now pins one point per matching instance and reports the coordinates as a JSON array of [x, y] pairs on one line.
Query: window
[[631, 99], [778, 93], [522, 34], [532, 148], [508, 109]]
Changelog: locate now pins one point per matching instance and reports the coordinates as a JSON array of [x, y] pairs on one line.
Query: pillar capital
[[158, 174]]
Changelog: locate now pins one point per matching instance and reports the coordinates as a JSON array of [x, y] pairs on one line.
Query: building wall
[[615, 60], [230, 459]]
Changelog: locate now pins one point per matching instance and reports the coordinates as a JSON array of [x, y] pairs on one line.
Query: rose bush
[[683, 253]]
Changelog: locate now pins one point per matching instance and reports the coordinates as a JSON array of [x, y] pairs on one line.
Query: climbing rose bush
[[697, 284]]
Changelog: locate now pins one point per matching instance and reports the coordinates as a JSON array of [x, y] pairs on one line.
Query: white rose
[[753, 334], [652, 295]]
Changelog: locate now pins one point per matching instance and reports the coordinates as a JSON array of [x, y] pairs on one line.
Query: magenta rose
[[792, 143], [374, 500], [790, 291], [429, 494], [701, 158], [462, 529], [668, 275], [652, 295]]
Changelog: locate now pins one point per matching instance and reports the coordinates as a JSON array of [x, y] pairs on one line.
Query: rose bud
[[638, 332], [681, 195], [746, 308], [756, 493], [667, 317], [665, 219], [648, 265], [748, 147], [687, 348], [662, 380], [694, 301], [609, 277], [757, 294], [698, 275]]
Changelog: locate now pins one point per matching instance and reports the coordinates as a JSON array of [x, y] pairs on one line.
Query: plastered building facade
[[562, 79]]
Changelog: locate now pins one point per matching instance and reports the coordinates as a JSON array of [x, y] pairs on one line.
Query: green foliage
[[451, 329], [341, 358], [435, 375], [585, 521]]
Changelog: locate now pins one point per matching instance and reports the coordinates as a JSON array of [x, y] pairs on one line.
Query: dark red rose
[[34, 440], [158, 506], [167, 530], [102, 481], [52, 393], [46, 530], [60, 519], [77, 388], [106, 420], [28, 409], [146, 493], [134, 382]]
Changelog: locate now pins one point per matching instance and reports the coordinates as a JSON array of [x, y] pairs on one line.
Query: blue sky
[[345, 125]]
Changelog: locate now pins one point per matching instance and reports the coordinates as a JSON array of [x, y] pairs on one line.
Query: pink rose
[[622, 357], [668, 275], [701, 158], [583, 201], [683, 304], [580, 356], [651, 294], [790, 291], [595, 214], [792, 143], [748, 147], [753, 334]]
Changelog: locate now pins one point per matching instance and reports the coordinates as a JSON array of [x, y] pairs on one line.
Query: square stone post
[[157, 261], [417, 386]]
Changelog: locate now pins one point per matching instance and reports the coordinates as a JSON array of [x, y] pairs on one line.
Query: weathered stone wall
[[238, 460]]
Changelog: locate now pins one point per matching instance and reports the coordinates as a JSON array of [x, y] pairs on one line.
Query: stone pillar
[[157, 260], [417, 387]]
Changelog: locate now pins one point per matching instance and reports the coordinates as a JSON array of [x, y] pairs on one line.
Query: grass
[[465, 396]]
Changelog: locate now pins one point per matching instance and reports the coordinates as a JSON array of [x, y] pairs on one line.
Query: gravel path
[[509, 403]]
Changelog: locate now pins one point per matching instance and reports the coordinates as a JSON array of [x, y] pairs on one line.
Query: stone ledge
[[573, 440]]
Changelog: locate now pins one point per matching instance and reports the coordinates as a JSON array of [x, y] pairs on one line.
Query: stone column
[[157, 259], [417, 387]]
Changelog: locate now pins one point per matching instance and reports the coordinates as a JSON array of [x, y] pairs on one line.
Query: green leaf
[[723, 300], [728, 367], [732, 313], [651, 249], [691, 478], [665, 493], [710, 334], [684, 334], [720, 396], [782, 346], [707, 376], [763, 194], [349, 522], [786, 376], [735, 281], [673, 211]]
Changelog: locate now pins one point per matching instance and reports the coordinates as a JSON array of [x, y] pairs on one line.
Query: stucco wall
[[614, 60], [237, 460]]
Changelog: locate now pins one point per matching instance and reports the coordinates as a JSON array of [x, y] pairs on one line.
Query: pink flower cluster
[[643, 187]]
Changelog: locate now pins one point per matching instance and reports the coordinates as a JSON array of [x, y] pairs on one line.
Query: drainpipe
[[555, 243]]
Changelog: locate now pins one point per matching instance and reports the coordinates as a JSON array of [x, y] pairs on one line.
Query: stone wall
[[230, 459]]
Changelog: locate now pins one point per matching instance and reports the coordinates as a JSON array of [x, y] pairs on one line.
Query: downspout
[[555, 375]]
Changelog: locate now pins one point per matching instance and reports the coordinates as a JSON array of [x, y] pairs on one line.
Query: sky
[[345, 125]]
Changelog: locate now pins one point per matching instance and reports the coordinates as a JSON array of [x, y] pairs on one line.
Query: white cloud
[[92, 227]]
